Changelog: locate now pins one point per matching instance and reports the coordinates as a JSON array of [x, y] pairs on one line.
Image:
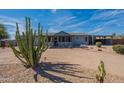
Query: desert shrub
[[99, 44], [118, 49], [99, 49], [100, 76]]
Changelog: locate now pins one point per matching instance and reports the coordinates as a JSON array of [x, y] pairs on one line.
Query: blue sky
[[102, 22]]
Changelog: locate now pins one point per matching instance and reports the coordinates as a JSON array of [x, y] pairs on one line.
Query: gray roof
[[78, 34], [62, 33]]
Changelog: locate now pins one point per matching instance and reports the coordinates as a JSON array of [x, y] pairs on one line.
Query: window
[[63, 39], [86, 38], [49, 39], [69, 39], [60, 39]]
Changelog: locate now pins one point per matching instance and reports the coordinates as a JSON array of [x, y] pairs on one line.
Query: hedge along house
[[64, 39]]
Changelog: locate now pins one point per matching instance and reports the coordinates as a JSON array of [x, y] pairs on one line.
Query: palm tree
[[3, 33]]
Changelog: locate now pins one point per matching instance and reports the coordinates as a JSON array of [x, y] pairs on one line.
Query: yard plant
[[3, 32], [98, 44], [31, 45], [118, 49], [101, 72]]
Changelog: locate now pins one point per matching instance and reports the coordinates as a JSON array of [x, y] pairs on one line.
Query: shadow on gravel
[[60, 68]]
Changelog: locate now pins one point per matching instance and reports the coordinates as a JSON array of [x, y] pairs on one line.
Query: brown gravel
[[51, 72], [64, 65]]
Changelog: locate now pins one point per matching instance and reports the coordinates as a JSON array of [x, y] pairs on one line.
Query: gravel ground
[[64, 65], [51, 73]]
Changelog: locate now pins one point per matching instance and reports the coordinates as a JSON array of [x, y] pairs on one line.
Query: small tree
[[99, 45], [101, 72], [31, 45], [3, 33]]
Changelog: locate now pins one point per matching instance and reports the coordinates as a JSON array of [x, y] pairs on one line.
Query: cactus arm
[[39, 38], [31, 48], [25, 43], [20, 45], [17, 53], [20, 58], [15, 50], [42, 48], [46, 42], [34, 38]]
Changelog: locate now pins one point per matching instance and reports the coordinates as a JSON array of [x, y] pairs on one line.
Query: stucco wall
[[118, 41]]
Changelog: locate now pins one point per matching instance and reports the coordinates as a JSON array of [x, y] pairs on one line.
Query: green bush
[[99, 44], [118, 49]]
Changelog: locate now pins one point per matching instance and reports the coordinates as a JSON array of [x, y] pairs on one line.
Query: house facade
[[64, 39]]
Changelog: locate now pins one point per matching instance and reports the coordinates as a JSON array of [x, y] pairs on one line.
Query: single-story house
[[64, 39]]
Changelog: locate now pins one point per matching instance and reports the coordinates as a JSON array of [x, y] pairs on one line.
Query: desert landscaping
[[71, 58], [77, 65]]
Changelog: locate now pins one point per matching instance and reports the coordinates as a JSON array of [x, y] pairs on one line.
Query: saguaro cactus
[[31, 45], [101, 72]]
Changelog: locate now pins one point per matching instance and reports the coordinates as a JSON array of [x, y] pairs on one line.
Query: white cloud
[[105, 15], [10, 19], [76, 24], [65, 23], [53, 30], [70, 18], [107, 19], [53, 10], [104, 18], [60, 22], [97, 30], [10, 24]]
